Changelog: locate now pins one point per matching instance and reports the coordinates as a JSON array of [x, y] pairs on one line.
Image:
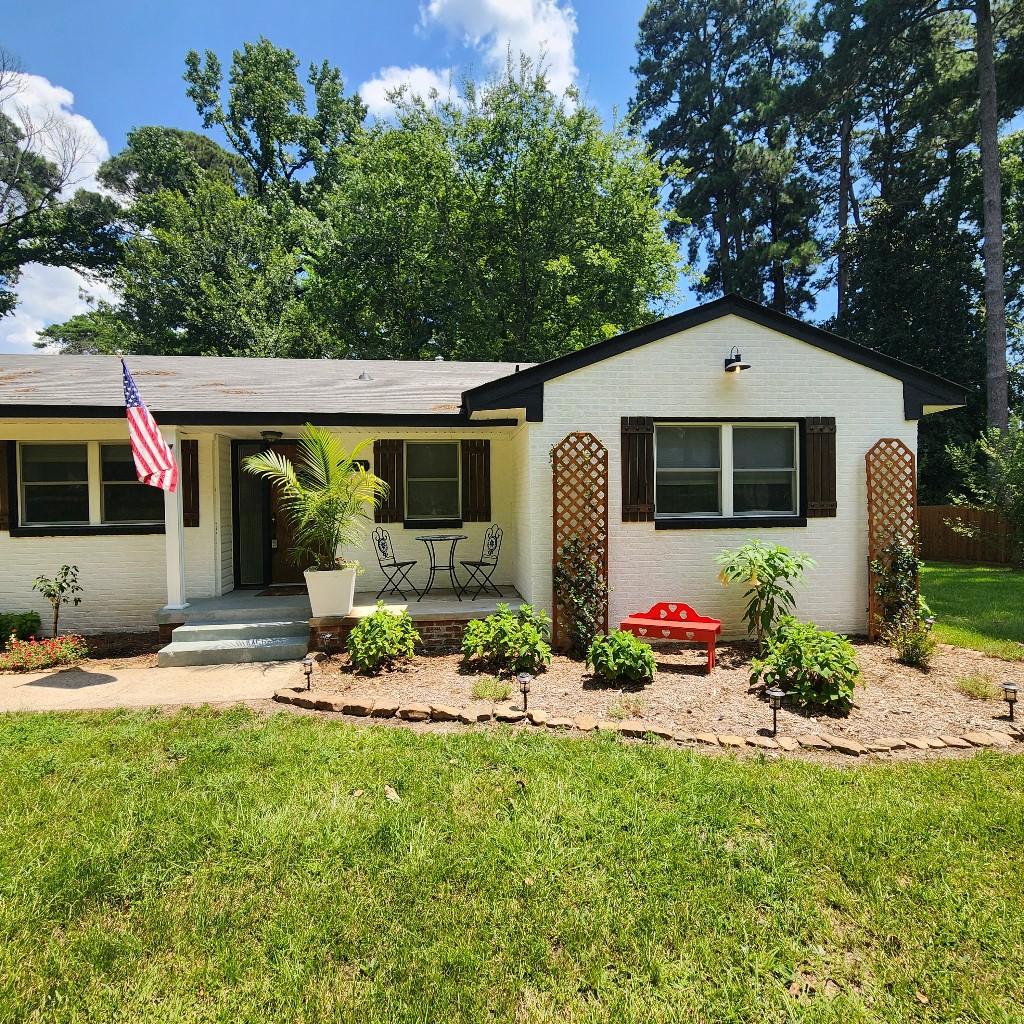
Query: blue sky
[[114, 64]]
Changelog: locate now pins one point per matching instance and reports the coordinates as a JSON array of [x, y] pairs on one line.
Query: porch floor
[[254, 606]]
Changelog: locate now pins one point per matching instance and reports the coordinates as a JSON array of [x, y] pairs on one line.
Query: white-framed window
[[726, 470], [433, 485], [86, 483]]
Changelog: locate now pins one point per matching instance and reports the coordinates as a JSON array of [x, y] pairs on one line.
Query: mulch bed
[[891, 700], [123, 650]]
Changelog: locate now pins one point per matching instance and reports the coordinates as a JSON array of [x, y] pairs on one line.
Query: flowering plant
[[33, 654]]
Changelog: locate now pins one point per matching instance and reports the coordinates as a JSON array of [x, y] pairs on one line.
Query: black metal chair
[[397, 572], [482, 569]]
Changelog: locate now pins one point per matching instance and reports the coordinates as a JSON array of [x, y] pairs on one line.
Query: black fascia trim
[[89, 530], [721, 522], [432, 524], [226, 419], [531, 399], [949, 392]]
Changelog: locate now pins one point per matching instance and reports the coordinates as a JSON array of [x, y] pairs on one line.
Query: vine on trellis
[[579, 481], [892, 511]]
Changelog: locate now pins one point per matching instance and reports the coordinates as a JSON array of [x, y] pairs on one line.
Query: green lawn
[[977, 606], [216, 867]]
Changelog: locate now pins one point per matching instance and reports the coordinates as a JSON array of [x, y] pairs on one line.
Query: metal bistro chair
[[482, 569], [397, 572]]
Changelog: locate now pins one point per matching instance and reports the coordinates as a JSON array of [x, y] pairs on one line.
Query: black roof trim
[[226, 419], [925, 388]]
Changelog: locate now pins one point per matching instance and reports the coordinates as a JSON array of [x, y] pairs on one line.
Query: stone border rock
[[317, 700]]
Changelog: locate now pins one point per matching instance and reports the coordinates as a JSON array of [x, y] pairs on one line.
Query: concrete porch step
[[232, 651], [196, 632]]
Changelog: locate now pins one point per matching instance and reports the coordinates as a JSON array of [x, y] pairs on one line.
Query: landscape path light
[[1010, 696], [775, 697]]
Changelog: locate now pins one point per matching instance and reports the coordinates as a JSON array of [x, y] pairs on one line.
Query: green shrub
[[512, 641], [490, 688], [813, 666], [621, 656], [912, 640], [581, 591], [31, 655], [381, 639], [770, 572], [21, 625]]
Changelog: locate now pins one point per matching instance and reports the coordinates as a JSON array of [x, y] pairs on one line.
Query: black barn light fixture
[[734, 361]]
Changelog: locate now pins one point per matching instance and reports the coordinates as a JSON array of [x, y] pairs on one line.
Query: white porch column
[[174, 533]]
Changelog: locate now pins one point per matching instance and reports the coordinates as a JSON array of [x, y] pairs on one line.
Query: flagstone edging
[[638, 729]]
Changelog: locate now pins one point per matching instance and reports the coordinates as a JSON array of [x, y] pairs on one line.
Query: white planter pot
[[331, 593]]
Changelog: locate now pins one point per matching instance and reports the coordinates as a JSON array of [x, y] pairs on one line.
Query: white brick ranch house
[[699, 459]]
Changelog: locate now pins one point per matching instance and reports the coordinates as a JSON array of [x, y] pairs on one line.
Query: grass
[[979, 686], [977, 606], [490, 688], [626, 707], [227, 867]]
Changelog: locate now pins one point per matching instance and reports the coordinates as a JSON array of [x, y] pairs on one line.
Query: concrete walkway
[[96, 687]]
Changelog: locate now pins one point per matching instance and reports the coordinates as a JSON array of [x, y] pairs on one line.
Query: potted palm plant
[[328, 496]]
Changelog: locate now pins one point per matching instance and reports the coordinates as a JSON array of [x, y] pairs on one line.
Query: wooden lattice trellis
[[892, 508], [579, 481]]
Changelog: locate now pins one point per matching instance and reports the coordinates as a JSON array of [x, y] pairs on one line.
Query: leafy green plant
[[20, 625], [979, 686], [581, 591], [621, 656], [491, 688], [897, 572], [912, 640], [31, 655], [326, 493], [59, 590], [814, 666], [382, 639], [626, 707], [512, 641], [770, 572]]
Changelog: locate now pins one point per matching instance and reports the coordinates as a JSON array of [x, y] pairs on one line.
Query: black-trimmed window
[[433, 490], [725, 470], [54, 484], [123, 498]]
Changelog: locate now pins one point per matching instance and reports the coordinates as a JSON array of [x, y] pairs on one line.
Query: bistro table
[[431, 540]]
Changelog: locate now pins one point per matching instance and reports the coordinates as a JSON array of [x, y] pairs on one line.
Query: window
[[54, 484], [764, 471], [725, 470], [432, 486], [124, 499], [688, 479]]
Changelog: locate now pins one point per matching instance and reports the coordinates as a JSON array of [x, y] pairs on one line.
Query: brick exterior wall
[[439, 636]]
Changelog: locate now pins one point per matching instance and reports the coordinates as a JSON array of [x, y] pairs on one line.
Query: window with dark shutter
[[388, 464], [637, 469], [5, 507], [476, 481], [820, 456], [189, 457]]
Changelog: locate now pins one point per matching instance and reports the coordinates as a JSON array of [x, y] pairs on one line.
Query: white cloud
[[537, 28], [420, 80], [48, 295], [541, 29]]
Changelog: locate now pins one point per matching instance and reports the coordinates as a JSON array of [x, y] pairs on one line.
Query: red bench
[[677, 622]]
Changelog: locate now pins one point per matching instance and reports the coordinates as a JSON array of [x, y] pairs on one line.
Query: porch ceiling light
[[734, 362], [271, 436]]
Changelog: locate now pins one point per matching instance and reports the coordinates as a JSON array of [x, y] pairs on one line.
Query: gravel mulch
[[892, 699]]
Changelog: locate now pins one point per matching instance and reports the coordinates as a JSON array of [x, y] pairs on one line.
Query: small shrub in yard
[[381, 639], [626, 707], [581, 591], [511, 641], [912, 640], [18, 624], [621, 656], [979, 686], [32, 654], [59, 590], [489, 688], [813, 666]]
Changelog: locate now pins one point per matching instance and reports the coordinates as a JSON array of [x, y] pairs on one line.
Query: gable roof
[[225, 390], [524, 389]]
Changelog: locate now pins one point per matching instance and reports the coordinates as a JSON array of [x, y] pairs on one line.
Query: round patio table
[[431, 540]]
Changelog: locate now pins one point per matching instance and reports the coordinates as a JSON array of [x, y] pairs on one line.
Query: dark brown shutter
[[189, 458], [637, 469], [5, 510], [476, 481], [820, 456], [388, 464]]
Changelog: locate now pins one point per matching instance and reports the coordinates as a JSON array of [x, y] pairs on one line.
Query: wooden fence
[[940, 544]]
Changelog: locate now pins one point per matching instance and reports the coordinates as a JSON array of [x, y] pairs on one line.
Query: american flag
[[154, 461]]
